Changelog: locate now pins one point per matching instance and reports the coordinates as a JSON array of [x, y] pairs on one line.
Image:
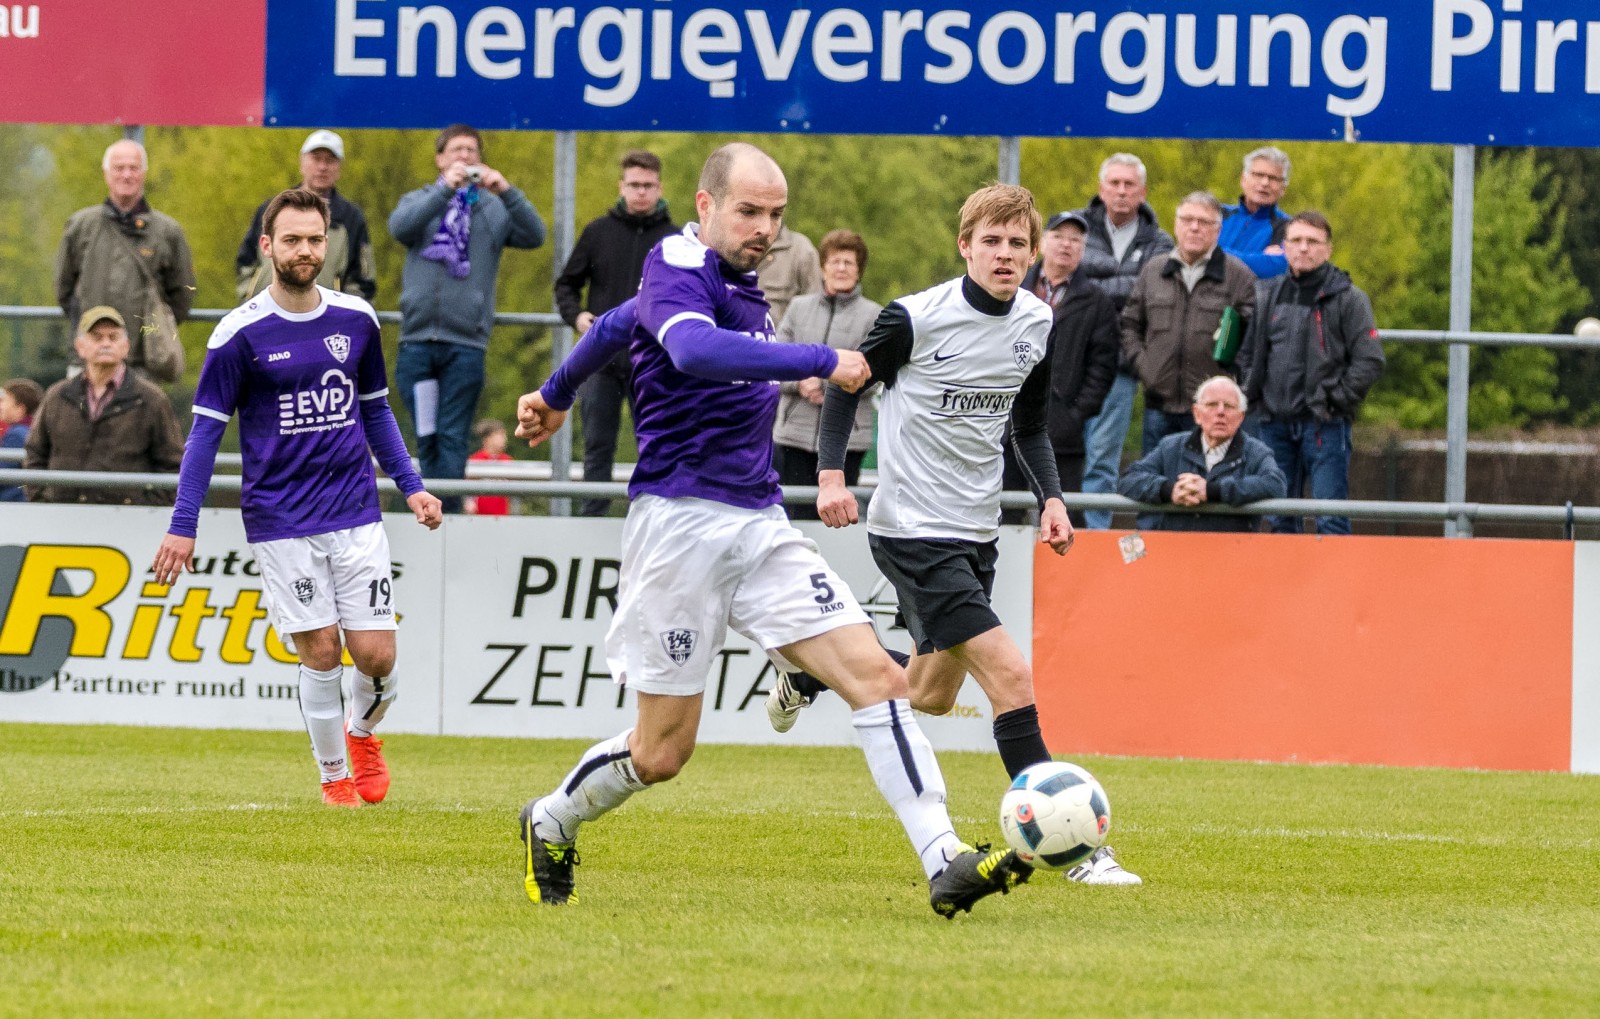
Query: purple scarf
[[455, 232]]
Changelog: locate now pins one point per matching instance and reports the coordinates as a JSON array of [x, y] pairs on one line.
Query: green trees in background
[[1389, 204]]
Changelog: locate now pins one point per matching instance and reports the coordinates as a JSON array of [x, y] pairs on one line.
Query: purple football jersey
[[297, 381], [700, 438]]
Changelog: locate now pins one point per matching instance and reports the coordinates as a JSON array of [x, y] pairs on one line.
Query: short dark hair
[[26, 392], [294, 198], [487, 427], [843, 240], [639, 159], [1311, 217], [456, 131]]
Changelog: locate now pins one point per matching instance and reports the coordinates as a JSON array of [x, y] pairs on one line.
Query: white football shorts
[[339, 577], [691, 568]]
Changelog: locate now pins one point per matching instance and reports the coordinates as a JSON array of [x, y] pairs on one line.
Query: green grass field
[[175, 872]]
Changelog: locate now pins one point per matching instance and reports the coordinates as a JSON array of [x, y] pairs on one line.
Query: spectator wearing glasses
[[1171, 322], [1214, 462], [1253, 230]]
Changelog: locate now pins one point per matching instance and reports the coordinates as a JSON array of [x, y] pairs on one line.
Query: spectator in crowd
[[1170, 324], [790, 269], [349, 266], [19, 400], [1213, 462], [1123, 236], [1083, 351], [1309, 358], [454, 231], [608, 259], [838, 317], [491, 436], [1252, 231], [106, 418], [111, 252]]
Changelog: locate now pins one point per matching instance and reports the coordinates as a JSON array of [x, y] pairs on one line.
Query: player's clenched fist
[[852, 372], [836, 504], [537, 420], [429, 511]]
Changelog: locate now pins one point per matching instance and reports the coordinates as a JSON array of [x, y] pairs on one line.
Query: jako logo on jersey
[[318, 410], [1022, 350], [679, 644], [339, 347], [282, 355], [975, 402]]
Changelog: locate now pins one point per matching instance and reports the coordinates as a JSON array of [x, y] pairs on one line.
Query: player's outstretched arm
[[428, 508], [836, 504], [536, 419], [175, 555]]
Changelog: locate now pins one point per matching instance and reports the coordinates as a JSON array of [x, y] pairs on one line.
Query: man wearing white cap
[[349, 267]]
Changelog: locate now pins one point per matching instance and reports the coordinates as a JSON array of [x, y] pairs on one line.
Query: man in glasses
[[1214, 462], [1253, 230]]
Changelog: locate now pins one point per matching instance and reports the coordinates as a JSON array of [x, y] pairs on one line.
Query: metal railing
[[1465, 514]]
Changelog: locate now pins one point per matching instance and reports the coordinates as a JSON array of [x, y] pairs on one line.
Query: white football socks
[[602, 781], [370, 697], [902, 763], [322, 706]]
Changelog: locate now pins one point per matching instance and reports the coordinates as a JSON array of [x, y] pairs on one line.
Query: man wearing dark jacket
[[1309, 358], [1123, 236], [609, 257], [1213, 462], [1082, 350]]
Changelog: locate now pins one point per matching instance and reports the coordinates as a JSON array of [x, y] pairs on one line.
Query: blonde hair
[[1001, 204]]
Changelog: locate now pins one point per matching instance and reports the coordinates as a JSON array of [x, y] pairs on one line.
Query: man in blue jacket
[[1214, 462], [1252, 231], [454, 231]]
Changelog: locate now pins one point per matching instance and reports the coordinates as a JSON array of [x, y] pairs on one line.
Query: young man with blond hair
[[957, 362]]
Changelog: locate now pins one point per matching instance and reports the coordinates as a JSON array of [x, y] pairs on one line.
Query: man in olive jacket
[[106, 419], [1170, 321], [1308, 360]]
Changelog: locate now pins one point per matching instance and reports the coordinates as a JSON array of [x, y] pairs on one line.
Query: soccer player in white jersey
[[956, 363], [707, 545], [303, 368]]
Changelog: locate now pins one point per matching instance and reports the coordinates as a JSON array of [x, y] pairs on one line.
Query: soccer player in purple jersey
[[707, 545], [303, 368]]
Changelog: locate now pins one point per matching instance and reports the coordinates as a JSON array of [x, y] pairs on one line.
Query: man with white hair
[[1213, 462], [111, 252], [1253, 230], [1123, 236]]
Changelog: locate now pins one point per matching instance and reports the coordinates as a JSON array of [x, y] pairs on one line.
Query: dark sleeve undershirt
[[887, 347], [1030, 436]]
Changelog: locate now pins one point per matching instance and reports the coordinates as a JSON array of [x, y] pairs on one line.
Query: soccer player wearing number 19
[[303, 368]]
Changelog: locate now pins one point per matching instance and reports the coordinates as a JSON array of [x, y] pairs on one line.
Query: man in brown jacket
[[107, 419], [1170, 322]]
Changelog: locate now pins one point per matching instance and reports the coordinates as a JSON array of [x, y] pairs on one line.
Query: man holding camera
[[454, 231]]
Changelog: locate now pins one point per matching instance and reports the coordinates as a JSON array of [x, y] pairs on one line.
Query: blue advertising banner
[[1512, 72]]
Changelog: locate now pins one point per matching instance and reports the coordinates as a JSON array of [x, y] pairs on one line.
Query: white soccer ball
[[1055, 815], [1587, 327]]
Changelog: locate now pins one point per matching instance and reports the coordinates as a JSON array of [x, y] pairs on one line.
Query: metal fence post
[[564, 214], [1010, 168], [1455, 460]]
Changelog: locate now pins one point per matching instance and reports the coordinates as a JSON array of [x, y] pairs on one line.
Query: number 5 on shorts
[[825, 594]]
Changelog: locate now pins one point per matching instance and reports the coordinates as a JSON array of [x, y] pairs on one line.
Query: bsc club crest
[[1022, 350], [679, 644], [305, 589], [339, 347]]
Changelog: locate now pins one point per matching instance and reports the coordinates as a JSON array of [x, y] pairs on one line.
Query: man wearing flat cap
[[107, 418], [349, 266], [1082, 350]]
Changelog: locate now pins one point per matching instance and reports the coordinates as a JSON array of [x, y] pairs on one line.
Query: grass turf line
[[180, 872]]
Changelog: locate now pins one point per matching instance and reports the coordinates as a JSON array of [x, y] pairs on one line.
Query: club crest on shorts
[[305, 589], [1022, 350], [679, 644], [339, 347]]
